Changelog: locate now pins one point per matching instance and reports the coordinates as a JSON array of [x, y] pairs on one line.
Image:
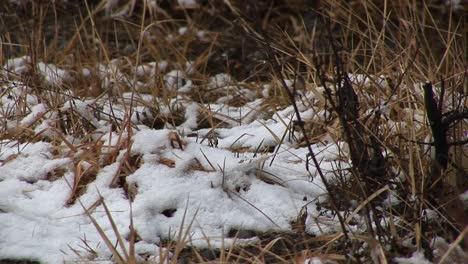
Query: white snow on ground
[[17, 65], [176, 81], [210, 190], [416, 258], [188, 3], [34, 211], [52, 74]]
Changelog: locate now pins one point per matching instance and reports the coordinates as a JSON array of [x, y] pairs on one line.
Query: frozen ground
[[208, 183]]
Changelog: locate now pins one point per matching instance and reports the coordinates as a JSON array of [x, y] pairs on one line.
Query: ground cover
[[269, 132]]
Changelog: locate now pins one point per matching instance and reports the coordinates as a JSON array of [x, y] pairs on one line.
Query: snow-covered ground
[[208, 183], [249, 174], [94, 148]]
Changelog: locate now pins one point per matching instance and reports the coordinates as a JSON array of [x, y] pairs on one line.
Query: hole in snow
[[244, 188], [169, 212]]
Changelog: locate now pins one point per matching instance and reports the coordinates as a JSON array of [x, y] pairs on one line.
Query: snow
[[416, 258], [176, 81], [18, 65], [314, 260], [230, 196], [220, 80], [14, 93], [34, 209], [188, 3], [37, 111], [53, 74], [151, 68], [211, 190]]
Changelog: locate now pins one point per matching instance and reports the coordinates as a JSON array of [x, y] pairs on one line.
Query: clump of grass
[[360, 43]]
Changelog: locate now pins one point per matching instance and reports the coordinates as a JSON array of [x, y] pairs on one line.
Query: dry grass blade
[[116, 232], [267, 250], [260, 211], [103, 235], [364, 203], [183, 236], [454, 245], [277, 139], [132, 239], [207, 160]]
